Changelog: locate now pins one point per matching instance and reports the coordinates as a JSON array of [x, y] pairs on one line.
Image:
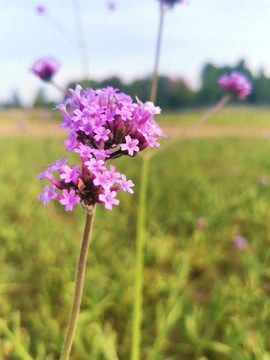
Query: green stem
[[222, 102], [153, 91], [219, 105], [140, 237], [64, 31], [140, 240], [73, 319], [65, 92]]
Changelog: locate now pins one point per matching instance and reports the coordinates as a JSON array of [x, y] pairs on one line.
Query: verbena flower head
[[102, 125], [41, 9], [236, 84], [45, 68]]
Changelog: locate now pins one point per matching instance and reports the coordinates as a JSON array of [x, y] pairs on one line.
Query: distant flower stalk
[[45, 68], [235, 84], [103, 125]]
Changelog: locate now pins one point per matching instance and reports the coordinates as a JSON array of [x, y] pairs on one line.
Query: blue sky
[[123, 42]]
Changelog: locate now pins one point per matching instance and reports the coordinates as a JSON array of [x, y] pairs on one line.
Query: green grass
[[203, 297], [11, 116], [231, 115]]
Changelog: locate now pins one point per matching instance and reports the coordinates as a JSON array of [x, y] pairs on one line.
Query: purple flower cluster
[[236, 84], [103, 125], [45, 68]]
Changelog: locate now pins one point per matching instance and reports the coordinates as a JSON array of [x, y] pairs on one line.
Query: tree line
[[173, 93]]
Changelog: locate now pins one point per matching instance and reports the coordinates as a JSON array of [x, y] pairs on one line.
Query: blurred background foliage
[[204, 298], [173, 93]]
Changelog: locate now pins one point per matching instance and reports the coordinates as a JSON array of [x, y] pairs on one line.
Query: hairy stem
[[73, 319]]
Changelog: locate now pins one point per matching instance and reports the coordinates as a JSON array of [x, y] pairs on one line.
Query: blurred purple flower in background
[[111, 5], [200, 223], [240, 242], [41, 9], [45, 68], [235, 84], [263, 180]]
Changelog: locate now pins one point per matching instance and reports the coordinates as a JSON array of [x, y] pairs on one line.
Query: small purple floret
[[58, 164], [95, 165], [126, 185], [45, 68], [108, 198], [69, 199], [235, 84], [47, 194], [70, 175], [130, 145]]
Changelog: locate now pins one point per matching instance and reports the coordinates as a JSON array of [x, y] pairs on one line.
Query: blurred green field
[[204, 298], [231, 115], [235, 116]]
